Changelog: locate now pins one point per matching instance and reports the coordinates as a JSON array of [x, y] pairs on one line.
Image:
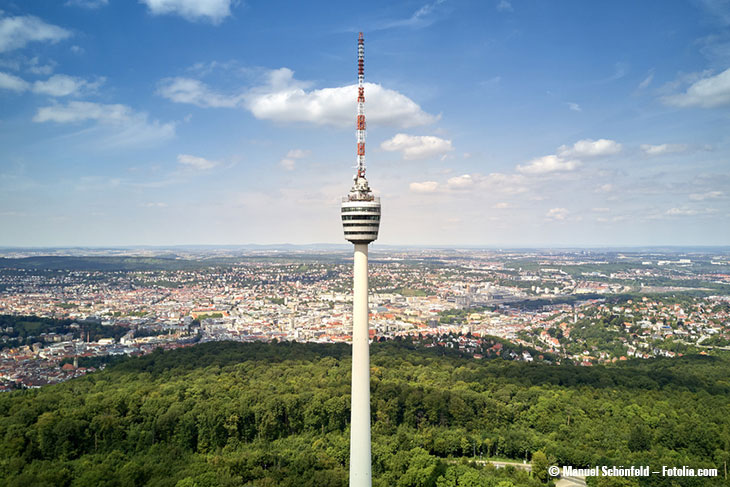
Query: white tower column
[[360, 474]]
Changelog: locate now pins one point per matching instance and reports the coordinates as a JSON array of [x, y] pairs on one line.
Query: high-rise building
[[361, 221]]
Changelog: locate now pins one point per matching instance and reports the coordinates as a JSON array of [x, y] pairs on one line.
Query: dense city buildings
[[587, 307]]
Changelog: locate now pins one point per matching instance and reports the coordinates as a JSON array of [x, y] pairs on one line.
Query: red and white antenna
[[361, 106]]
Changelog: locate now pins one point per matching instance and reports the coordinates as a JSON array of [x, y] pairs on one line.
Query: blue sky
[[495, 122]]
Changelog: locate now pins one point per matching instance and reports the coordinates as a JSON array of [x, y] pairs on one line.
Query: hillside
[[277, 415]]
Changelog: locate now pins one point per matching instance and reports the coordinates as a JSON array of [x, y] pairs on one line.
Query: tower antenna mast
[[361, 106]]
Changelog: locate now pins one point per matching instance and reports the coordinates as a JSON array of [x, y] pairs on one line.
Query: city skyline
[[490, 124]]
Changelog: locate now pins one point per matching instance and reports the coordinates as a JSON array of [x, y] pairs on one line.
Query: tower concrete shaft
[[360, 464]]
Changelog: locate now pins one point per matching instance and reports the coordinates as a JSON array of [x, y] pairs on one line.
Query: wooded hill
[[277, 415]]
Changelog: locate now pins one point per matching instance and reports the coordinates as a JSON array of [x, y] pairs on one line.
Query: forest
[[277, 414], [25, 330]]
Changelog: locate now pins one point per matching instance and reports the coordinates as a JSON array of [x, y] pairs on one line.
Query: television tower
[[361, 221]]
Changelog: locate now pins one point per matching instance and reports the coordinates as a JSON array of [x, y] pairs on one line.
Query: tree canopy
[[278, 415]]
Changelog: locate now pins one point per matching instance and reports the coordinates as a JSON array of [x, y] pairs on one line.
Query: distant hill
[[136, 263], [277, 415], [99, 263]]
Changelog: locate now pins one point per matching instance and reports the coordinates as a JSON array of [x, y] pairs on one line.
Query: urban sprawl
[[587, 307]]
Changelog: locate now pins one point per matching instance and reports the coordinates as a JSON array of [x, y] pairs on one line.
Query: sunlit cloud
[[17, 32], [590, 148], [709, 195], [289, 162], [548, 164], [282, 98], [57, 85], [196, 162], [661, 149], [558, 214], [214, 11], [417, 146], [424, 187], [708, 92], [122, 125]]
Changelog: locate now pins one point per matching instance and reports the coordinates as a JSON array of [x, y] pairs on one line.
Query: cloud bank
[[284, 99]]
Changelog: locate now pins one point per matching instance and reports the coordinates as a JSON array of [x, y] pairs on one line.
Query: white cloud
[[423, 17], [681, 212], [465, 181], [683, 79], [574, 106], [124, 125], [297, 153], [719, 9], [500, 206], [417, 146], [709, 92], [647, 81], [557, 214], [504, 6], [503, 183], [290, 161], [35, 67], [212, 10], [284, 99], [657, 150], [63, 85], [77, 111], [548, 164], [614, 219], [195, 92], [12, 83], [13, 64], [56, 85], [44, 69], [706, 196], [568, 157], [196, 162], [288, 164], [491, 82], [619, 71], [91, 4], [16, 32], [489, 184], [424, 187], [590, 148]]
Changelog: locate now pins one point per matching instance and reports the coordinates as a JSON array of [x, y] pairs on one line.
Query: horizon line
[[346, 245]]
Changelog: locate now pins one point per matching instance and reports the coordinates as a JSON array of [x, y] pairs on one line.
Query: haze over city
[[496, 123]]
